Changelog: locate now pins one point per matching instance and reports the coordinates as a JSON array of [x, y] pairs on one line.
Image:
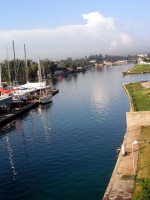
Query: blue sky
[[74, 28]]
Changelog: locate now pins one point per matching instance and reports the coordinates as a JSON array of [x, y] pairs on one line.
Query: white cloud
[[126, 39], [123, 41], [98, 35], [96, 18]]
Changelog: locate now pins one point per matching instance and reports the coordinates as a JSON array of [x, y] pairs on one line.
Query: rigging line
[[20, 61], [10, 52]]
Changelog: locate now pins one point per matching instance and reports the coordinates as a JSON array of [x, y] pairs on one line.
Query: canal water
[[66, 150]]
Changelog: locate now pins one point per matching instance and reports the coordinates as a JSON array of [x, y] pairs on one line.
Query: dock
[[7, 116]]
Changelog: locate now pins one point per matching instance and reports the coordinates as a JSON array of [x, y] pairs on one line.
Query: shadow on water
[[13, 125], [46, 106], [44, 111]]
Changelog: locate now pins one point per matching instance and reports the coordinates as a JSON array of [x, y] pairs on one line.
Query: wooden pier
[[7, 116]]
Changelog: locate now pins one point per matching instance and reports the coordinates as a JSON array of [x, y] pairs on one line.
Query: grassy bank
[[140, 97], [143, 170], [138, 69]]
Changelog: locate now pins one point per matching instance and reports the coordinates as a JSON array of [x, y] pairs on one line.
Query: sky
[[58, 29]]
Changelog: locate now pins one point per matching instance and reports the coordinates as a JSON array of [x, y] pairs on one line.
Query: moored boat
[[45, 99]]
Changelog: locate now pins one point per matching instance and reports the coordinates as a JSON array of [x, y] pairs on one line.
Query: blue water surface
[[66, 150]]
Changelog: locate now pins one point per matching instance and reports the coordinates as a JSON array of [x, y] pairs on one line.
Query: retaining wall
[[140, 118]]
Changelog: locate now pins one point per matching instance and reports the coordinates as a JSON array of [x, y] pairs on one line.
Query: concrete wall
[[141, 118], [131, 105]]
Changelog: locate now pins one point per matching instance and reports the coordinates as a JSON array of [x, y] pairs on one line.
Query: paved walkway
[[146, 84], [119, 187]]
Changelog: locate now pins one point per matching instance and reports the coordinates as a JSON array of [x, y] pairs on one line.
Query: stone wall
[[140, 118]]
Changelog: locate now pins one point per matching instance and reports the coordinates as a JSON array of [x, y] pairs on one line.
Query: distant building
[[139, 60], [107, 63], [142, 55], [92, 61]]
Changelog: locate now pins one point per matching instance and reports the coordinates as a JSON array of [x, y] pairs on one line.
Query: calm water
[[66, 150]]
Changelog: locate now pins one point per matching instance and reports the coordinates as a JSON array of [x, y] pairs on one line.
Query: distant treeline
[[16, 70]]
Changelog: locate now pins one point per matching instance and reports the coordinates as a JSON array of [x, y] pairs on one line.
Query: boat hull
[[45, 99]]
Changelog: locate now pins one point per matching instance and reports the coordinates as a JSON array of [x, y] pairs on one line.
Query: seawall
[[121, 184]]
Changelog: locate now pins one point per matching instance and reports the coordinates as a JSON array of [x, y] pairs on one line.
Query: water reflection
[[35, 141], [10, 157], [54, 81], [24, 138], [100, 97], [8, 127], [44, 111]]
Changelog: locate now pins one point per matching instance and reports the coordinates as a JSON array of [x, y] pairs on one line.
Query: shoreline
[[121, 184], [122, 180], [131, 73]]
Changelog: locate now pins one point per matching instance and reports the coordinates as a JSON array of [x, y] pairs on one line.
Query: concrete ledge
[[118, 188], [131, 105], [140, 118]]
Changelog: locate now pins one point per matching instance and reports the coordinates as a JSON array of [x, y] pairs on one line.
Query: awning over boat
[[3, 91]]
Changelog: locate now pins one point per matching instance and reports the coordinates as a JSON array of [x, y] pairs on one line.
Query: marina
[[67, 149], [6, 115]]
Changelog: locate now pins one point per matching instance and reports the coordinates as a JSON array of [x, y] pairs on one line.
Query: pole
[[14, 63], [136, 142], [9, 77], [25, 61], [133, 158]]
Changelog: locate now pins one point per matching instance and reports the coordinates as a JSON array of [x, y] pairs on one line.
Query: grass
[[140, 68], [140, 98], [143, 170]]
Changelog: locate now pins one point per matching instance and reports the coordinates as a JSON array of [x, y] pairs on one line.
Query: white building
[[92, 61], [142, 55]]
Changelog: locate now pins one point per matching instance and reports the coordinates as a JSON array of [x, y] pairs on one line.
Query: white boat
[[17, 98], [45, 99], [36, 85], [45, 96], [28, 85]]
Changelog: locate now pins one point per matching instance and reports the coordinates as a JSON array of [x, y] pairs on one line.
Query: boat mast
[[9, 77], [39, 72], [39, 75], [25, 61], [15, 63]]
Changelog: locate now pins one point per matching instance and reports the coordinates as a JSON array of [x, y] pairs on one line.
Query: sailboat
[[45, 95], [30, 87], [12, 91], [45, 98]]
